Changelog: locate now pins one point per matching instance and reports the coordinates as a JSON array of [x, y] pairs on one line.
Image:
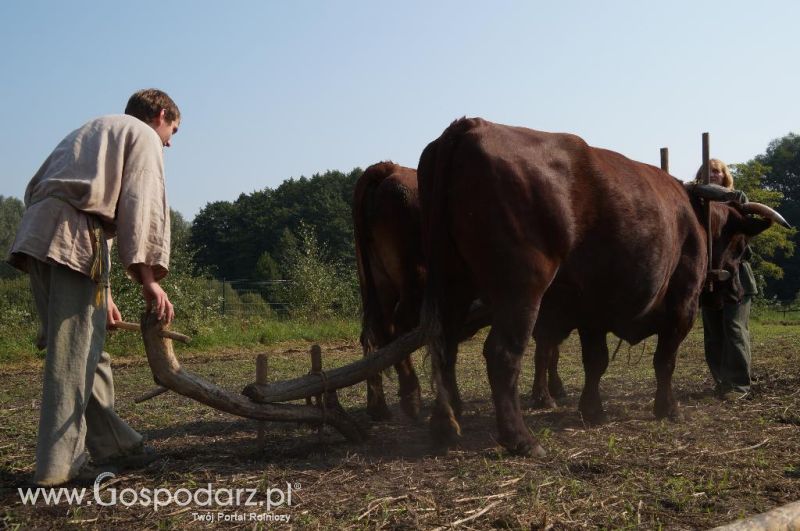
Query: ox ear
[[712, 192]]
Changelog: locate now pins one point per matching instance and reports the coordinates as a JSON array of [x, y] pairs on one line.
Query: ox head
[[733, 224]]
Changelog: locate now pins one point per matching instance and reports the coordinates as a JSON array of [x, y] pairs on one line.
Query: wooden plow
[[264, 401]]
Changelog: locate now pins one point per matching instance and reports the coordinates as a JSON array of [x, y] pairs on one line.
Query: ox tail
[[363, 200], [433, 174]]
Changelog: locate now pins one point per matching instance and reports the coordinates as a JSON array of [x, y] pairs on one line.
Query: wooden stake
[[316, 359], [707, 208], [330, 397], [316, 368], [665, 159]]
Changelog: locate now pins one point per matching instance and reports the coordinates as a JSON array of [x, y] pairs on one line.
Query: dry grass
[[725, 460]]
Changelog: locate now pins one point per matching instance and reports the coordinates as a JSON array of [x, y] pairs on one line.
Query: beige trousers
[[77, 411]]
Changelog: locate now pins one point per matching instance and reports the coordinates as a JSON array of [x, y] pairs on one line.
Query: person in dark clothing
[[726, 329]]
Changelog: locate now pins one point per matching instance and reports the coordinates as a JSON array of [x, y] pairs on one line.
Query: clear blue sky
[[280, 89]]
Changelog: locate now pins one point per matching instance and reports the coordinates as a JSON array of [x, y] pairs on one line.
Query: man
[[104, 179]]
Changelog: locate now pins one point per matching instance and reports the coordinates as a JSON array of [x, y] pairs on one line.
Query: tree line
[[268, 234]]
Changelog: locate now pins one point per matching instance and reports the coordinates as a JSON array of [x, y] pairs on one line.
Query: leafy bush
[[319, 287], [19, 321], [254, 304]]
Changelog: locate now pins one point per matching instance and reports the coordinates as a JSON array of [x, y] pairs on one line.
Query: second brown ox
[[391, 274], [556, 235]]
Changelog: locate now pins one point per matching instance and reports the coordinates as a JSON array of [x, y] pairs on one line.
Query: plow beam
[[168, 373], [397, 350]]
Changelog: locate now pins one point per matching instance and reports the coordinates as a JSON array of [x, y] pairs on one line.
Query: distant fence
[[782, 307], [247, 297]]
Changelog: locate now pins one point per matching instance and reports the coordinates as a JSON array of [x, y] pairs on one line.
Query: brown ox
[[391, 273], [386, 221], [556, 235]]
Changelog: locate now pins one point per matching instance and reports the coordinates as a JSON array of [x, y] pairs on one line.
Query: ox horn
[[712, 192], [765, 212]]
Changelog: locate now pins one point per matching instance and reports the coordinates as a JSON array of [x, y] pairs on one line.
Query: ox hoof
[[524, 446], [594, 417], [458, 409], [558, 391], [379, 413], [411, 404], [445, 429], [671, 412], [542, 402]]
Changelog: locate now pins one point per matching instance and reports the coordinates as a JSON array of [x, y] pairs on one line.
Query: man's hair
[[727, 178], [146, 105]]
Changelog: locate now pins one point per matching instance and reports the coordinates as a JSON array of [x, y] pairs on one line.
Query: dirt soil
[[727, 459]]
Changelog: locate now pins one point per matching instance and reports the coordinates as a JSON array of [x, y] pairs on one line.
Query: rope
[[101, 259]]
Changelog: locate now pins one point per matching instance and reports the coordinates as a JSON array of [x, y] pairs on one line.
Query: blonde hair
[[727, 178]]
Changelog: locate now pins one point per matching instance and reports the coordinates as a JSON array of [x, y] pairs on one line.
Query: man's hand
[[158, 301], [154, 295], [113, 315]]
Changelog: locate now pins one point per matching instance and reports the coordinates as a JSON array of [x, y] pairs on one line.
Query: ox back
[[554, 235]]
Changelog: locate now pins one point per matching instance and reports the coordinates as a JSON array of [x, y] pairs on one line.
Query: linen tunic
[[109, 172]]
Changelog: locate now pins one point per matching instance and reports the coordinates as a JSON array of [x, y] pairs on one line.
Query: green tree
[[267, 268], [232, 237], [316, 288], [781, 164], [11, 210], [211, 235], [181, 258], [749, 177]]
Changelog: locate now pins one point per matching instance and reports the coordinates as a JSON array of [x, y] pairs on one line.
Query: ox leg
[[376, 401], [449, 368], [408, 388], [664, 364], [407, 318], [554, 383], [594, 352], [543, 356], [503, 350], [444, 425]]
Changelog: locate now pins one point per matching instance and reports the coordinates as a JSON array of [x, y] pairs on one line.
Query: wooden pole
[[707, 207], [665, 159], [262, 366], [135, 327], [152, 393], [358, 371]]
